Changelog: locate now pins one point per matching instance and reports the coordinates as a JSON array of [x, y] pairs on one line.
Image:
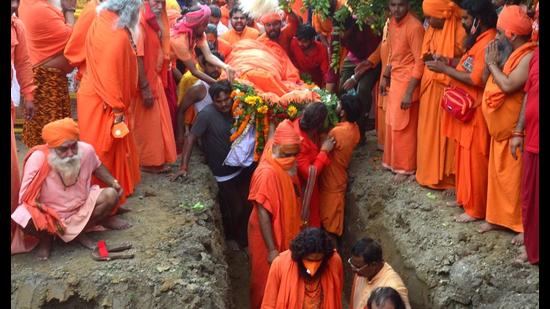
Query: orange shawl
[[47, 32], [286, 289], [501, 117], [278, 199], [43, 218], [445, 42], [75, 50]]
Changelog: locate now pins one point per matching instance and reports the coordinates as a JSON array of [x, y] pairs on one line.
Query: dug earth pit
[[179, 255], [444, 264]]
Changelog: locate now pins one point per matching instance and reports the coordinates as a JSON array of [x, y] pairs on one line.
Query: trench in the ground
[[358, 225], [364, 219]]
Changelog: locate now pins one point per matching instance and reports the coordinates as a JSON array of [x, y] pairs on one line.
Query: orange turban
[[440, 8], [514, 20], [57, 132], [271, 17], [285, 134]]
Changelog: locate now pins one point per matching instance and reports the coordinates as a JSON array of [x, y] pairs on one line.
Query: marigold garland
[[250, 109]]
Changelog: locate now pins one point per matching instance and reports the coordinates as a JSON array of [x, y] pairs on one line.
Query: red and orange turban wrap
[[514, 20], [286, 136], [58, 132], [271, 17], [191, 20]]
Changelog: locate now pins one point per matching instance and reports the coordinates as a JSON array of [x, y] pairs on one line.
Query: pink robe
[[73, 204]]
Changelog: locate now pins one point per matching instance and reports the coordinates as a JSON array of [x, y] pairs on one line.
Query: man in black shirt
[[213, 127]]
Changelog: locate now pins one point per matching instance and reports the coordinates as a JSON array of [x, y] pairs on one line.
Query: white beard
[[68, 168]]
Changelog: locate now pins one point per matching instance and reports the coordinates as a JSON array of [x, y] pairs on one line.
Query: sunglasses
[[355, 268]]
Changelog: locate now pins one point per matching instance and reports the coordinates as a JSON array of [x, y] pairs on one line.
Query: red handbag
[[458, 103]]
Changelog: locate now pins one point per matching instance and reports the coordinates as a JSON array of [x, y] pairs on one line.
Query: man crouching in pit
[[56, 196]]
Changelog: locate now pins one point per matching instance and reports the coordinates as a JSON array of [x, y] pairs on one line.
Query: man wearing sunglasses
[[372, 272]]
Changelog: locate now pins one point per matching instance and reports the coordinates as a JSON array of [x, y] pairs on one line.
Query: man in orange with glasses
[[371, 272]]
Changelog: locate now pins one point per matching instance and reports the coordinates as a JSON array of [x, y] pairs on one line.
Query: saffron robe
[[286, 288], [501, 112], [75, 50], [405, 43], [279, 194], [110, 82], [233, 36], [333, 180], [471, 138], [153, 130], [313, 61], [435, 152]]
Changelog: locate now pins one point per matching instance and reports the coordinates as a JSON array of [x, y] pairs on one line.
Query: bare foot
[[156, 169], [452, 204], [486, 227], [116, 223], [517, 240], [463, 218], [44, 248], [448, 193], [399, 178], [86, 241], [522, 258], [122, 210]]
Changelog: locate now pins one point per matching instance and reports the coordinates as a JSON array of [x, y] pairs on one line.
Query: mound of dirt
[[179, 260], [444, 264]]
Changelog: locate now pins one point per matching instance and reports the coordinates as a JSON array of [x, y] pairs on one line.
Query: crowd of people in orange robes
[[453, 100]]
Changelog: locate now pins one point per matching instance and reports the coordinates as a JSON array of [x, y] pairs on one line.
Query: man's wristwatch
[[353, 78], [115, 182]]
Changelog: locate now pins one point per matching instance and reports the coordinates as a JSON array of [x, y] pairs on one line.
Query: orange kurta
[[233, 37], [153, 130], [47, 32], [286, 288], [274, 189], [110, 82], [435, 153], [471, 138], [333, 180], [75, 50], [501, 113], [405, 44], [380, 55]]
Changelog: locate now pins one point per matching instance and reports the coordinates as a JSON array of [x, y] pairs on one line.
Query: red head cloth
[[285, 134], [57, 132], [440, 8], [271, 17], [514, 20], [191, 20]]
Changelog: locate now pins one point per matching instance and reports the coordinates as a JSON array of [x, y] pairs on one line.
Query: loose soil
[[181, 260], [179, 255], [443, 263]]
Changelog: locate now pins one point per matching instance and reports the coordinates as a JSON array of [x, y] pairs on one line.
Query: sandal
[[104, 253]]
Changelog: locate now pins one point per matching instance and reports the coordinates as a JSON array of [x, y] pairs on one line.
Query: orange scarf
[[43, 217], [289, 207], [442, 42], [501, 121]]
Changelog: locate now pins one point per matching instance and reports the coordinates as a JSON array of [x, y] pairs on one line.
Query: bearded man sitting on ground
[[56, 196]]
